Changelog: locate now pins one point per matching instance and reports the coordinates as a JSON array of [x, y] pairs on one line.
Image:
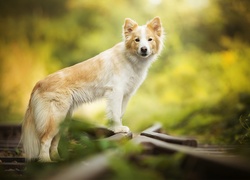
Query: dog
[[114, 74]]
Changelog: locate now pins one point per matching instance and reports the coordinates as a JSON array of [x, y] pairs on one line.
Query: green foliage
[[131, 162], [78, 141], [245, 123], [127, 160], [123, 170]]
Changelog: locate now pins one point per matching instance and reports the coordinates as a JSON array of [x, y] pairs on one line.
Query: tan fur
[[86, 71], [115, 74]]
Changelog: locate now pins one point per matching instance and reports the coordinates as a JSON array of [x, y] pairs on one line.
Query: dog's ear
[[155, 25], [129, 26]]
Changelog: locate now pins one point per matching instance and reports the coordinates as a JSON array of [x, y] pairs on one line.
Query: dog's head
[[145, 40]]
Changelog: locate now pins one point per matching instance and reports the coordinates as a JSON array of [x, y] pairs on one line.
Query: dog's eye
[[137, 40], [150, 39]]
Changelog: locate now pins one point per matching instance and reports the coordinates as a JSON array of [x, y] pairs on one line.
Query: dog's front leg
[[114, 111], [124, 103]]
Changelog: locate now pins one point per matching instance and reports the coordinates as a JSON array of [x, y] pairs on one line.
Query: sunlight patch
[[197, 4], [155, 2]]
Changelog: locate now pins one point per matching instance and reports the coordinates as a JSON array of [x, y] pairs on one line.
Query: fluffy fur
[[114, 74]]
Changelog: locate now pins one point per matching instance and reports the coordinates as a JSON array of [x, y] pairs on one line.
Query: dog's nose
[[144, 49]]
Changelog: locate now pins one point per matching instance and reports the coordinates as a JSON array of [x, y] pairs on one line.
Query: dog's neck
[[140, 63]]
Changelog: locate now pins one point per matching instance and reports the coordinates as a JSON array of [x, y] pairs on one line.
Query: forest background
[[199, 86]]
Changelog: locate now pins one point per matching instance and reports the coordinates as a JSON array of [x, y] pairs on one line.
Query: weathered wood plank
[[153, 132]]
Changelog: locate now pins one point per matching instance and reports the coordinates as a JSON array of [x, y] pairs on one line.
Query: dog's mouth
[[144, 55]]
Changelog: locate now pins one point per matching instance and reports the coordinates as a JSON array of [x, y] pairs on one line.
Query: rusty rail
[[201, 162]]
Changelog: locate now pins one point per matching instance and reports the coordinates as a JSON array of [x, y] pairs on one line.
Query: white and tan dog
[[114, 74]]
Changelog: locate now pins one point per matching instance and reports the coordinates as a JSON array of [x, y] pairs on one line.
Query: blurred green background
[[199, 86]]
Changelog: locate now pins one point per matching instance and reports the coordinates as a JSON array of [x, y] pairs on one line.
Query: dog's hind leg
[[54, 148], [46, 140], [53, 114], [54, 155]]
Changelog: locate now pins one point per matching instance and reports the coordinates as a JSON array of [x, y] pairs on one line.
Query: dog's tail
[[30, 139]]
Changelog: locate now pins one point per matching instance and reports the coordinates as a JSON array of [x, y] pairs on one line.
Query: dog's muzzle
[[144, 51]]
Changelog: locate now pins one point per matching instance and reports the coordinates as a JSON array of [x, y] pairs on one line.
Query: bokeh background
[[199, 86]]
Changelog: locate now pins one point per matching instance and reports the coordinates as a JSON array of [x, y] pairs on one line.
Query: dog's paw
[[42, 160], [120, 129]]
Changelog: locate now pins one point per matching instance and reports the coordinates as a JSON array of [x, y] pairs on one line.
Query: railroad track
[[11, 157], [198, 161]]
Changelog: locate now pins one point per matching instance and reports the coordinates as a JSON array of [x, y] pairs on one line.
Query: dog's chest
[[131, 80]]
